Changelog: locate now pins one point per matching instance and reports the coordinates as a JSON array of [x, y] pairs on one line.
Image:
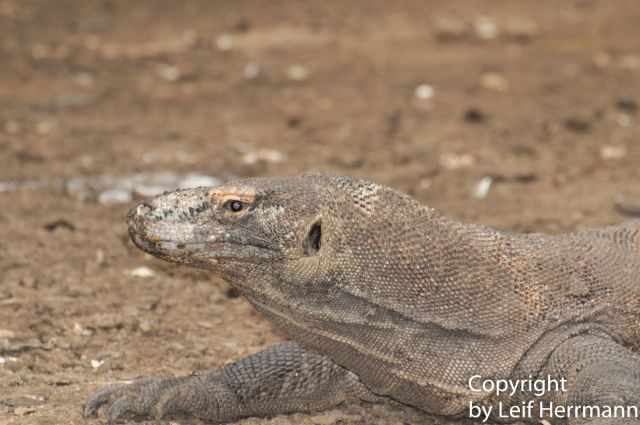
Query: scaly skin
[[387, 298]]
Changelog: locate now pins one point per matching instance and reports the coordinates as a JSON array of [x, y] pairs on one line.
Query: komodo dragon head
[[285, 237]]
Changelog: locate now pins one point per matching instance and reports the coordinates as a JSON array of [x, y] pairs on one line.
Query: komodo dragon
[[383, 297]]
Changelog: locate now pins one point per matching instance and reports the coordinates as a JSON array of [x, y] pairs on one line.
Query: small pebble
[[297, 73], [146, 326], [424, 91], [494, 81], [45, 127], [613, 152], [485, 28], [169, 73], [143, 272], [96, 363], [9, 359], [452, 161], [482, 188], [78, 329], [225, 42], [251, 71]]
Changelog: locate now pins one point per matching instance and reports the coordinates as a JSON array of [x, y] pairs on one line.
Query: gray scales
[[382, 297]]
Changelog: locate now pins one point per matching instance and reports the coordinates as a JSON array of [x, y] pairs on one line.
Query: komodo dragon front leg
[[601, 374], [284, 378]]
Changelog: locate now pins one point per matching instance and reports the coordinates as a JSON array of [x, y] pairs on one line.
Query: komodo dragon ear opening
[[311, 244]]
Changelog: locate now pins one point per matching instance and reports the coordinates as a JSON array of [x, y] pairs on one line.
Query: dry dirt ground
[[431, 97]]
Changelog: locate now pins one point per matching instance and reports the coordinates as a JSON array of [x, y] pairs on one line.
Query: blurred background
[[520, 115]]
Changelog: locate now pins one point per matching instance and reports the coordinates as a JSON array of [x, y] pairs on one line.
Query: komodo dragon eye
[[234, 205]]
